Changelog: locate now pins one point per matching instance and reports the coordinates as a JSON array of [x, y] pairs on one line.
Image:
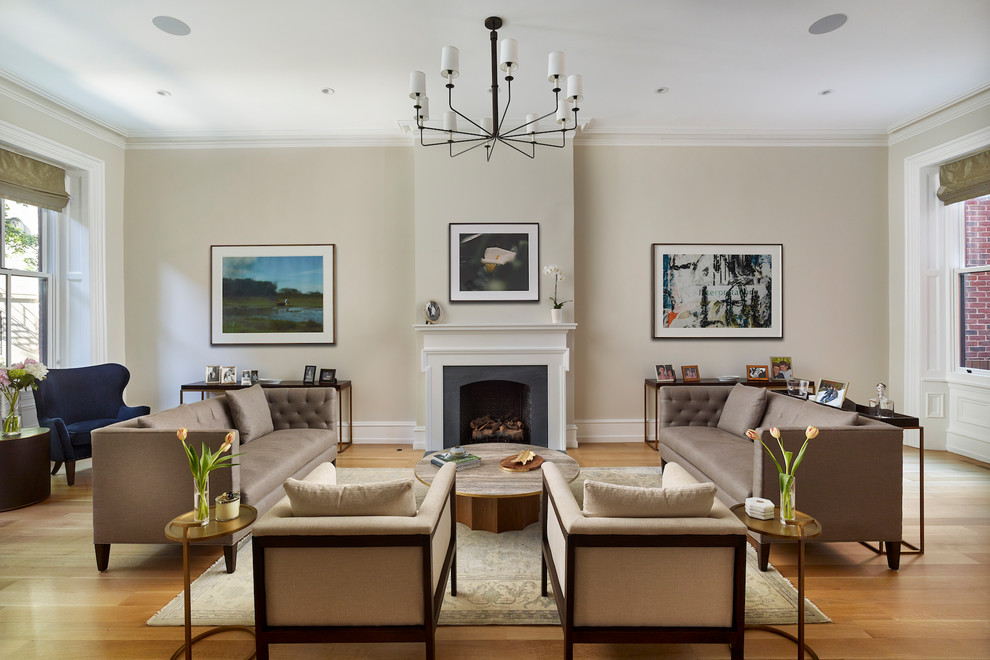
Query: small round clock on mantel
[[432, 311]]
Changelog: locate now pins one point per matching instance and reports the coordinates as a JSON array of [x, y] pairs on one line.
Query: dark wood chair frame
[[266, 634], [732, 635]]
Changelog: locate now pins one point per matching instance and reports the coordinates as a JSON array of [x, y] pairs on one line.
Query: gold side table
[[804, 528], [184, 530]]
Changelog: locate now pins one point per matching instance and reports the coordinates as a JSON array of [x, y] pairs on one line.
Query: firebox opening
[[495, 411], [513, 398]]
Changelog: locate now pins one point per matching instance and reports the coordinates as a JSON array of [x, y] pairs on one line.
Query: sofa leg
[[70, 472], [763, 555], [431, 651], [261, 650], [102, 556], [230, 557], [893, 549], [58, 466]]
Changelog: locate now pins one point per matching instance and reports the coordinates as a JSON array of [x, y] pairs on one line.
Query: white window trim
[[93, 176]]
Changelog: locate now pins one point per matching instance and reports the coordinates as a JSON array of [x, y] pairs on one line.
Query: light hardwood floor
[[55, 604]]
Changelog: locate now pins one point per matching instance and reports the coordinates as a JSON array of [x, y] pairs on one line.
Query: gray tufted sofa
[[850, 479], [141, 477]]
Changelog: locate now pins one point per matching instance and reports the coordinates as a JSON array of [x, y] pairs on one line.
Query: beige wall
[[180, 202], [827, 206]]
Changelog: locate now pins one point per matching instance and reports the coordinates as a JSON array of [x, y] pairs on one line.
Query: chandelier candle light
[[13, 379], [492, 130]]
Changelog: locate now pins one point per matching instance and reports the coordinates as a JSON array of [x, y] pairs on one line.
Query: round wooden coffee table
[[24, 468], [494, 499]]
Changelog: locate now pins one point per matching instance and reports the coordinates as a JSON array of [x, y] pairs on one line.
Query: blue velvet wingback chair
[[73, 402]]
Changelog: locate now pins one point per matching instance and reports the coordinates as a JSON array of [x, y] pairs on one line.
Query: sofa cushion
[[385, 498], [743, 409], [271, 459], [207, 414], [724, 458], [249, 408], [787, 411], [615, 501]]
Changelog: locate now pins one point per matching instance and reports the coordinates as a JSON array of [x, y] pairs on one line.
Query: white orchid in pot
[[556, 312], [788, 505]]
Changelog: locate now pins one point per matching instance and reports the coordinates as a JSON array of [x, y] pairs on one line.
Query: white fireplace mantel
[[496, 344]]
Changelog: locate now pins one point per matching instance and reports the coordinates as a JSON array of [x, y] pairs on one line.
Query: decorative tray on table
[[526, 461]]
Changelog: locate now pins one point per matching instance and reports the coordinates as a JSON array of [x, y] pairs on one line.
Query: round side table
[[183, 529], [803, 528], [24, 468]]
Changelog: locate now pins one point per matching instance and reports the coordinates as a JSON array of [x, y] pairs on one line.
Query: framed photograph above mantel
[[494, 262], [717, 290], [273, 294]]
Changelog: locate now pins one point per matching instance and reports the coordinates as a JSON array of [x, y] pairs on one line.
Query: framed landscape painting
[[272, 294], [494, 262], [705, 290]]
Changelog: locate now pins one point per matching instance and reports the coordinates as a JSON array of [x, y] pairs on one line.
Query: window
[[25, 282], [973, 282]]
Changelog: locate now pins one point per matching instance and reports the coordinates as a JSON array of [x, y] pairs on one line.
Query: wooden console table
[[904, 422], [341, 386], [655, 385]]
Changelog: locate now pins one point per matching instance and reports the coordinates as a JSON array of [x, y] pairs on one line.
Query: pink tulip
[[182, 434], [775, 432], [811, 432], [752, 435]]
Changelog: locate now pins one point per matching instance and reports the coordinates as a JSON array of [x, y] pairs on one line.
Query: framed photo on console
[[494, 262], [690, 373], [328, 376], [309, 375], [717, 290], [273, 294], [665, 373]]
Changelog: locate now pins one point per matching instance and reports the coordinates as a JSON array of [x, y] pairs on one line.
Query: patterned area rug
[[498, 575]]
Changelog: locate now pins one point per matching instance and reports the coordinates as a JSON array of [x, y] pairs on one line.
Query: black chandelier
[[492, 130]]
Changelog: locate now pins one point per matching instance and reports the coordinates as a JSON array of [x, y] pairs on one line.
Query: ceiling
[[254, 68]]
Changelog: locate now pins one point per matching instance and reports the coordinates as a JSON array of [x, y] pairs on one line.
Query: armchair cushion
[[386, 498], [249, 408], [615, 501], [743, 409]]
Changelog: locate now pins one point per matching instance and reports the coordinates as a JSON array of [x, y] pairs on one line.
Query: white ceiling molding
[[266, 140], [941, 114], [20, 90], [672, 137]]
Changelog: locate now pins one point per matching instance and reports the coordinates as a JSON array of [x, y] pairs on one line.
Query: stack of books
[[759, 508], [462, 460]]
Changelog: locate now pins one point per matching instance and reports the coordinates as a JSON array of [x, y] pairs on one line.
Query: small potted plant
[[557, 311], [228, 506]]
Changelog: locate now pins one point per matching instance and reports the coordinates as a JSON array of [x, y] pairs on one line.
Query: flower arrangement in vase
[[788, 503], [201, 465], [13, 379], [556, 312]]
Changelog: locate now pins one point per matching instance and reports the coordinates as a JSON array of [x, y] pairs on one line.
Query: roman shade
[[966, 178], [30, 181]]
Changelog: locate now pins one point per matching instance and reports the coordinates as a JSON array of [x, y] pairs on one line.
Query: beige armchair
[[354, 578], [643, 580]]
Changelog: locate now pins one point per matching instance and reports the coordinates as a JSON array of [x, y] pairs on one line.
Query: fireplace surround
[[479, 346]]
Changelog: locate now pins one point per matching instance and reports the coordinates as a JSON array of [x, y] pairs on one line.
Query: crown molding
[[693, 137], [32, 96], [266, 140], [959, 106]]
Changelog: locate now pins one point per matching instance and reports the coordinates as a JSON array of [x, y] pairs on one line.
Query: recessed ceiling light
[[828, 24], [328, 91], [662, 90], [163, 92], [826, 92], [171, 25]]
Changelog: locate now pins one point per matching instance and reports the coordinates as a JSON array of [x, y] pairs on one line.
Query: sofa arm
[[850, 480], [141, 480], [692, 405], [130, 412]]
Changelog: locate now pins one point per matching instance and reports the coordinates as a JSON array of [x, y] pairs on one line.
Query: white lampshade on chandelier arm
[[489, 132]]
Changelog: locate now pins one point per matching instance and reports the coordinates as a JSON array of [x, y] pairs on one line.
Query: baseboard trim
[[584, 430]]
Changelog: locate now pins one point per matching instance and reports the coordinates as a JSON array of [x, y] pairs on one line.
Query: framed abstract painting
[[706, 290], [272, 294], [494, 262]]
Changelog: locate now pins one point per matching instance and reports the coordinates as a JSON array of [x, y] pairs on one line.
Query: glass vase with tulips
[[788, 504], [201, 465]]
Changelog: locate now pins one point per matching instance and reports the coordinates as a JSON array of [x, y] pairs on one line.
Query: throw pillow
[[252, 416], [615, 501], [385, 498], [743, 409]]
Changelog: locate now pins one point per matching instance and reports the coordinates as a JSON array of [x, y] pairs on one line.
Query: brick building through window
[[974, 286]]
